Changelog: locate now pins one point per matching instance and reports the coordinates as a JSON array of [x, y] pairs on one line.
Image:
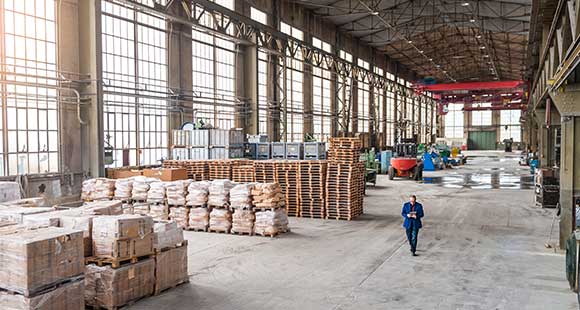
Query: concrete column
[[247, 88], [72, 152], [333, 105], [567, 104], [544, 147], [372, 118], [354, 105], [90, 62], [179, 67], [384, 122]]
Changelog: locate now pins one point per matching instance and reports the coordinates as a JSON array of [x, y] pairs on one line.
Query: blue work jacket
[[408, 221]]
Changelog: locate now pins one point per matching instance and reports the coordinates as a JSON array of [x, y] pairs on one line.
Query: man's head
[[412, 198]]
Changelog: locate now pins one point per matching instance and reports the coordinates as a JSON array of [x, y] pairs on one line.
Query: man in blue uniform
[[412, 213]]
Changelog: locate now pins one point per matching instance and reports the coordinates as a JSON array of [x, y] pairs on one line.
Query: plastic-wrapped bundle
[[167, 235], [141, 208], [158, 212], [103, 189], [271, 222], [241, 196], [180, 215], [219, 192], [220, 220], [268, 195], [197, 193], [243, 221], [141, 187], [176, 192], [123, 188], [199, 218], [87, 189], [156, 193]]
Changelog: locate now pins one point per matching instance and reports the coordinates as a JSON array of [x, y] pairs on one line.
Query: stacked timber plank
[[312, 188], [41, 268], [243, 173], [287, 176], [344, 179]]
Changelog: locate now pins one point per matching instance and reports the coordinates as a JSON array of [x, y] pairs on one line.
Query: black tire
[[391, 173]]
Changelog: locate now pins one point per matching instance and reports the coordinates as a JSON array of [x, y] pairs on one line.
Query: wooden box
[[108, 288], [171, 268], [68, 296], [166, 174], [32, 260], [123, 248]]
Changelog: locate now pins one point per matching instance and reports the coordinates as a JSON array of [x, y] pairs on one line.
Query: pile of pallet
[[344, 150], [220, 169], [312, 188], [287, 176], [344, 179], [197, 170], [243, 173], [265, 171]]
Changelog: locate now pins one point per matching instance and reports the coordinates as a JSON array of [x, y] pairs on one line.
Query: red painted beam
[[471, 86]]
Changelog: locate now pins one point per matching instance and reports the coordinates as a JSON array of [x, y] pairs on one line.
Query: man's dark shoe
[[414, 254]]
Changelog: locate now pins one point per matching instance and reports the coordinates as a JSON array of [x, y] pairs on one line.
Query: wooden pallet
[[157, 291], [115, 262], [219, 231]]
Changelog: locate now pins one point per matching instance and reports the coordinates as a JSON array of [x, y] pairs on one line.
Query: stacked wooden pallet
[[220, 169], [197, 170], [265, 171], [312, 188], [287, 175], [344, 150], [344, 179], [243, 174]]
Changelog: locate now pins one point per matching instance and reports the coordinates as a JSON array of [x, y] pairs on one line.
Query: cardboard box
[[124, 248], [122, 226], [32, 260], [108, 287], [126, 173], [166, 174], [107, 207], [171, 268], [69, 296], [167, 235]]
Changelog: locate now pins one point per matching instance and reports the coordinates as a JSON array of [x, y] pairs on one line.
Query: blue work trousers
[[412, 235]]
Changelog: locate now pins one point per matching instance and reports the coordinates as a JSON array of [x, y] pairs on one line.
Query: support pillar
[[566, 102]]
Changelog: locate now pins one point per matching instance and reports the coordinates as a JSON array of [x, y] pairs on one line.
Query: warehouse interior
[[250, 154]]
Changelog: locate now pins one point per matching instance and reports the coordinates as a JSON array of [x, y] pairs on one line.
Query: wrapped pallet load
[[180, 215], [104, 189], [35, 259], [243, 221], [219, 193], [271, 222], [171, 268], [197, 193], [68, 296], [199, 218], [123, 189], [167, 235], [122, 236], [176, 192], [111, 207], [156, 193], [241, 196], [107, 287], [220, 220], [141, 187]]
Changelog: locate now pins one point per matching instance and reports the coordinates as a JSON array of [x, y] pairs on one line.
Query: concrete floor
[[482, 247]]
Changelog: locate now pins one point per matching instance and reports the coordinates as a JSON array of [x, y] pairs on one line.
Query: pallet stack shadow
[[547, 188], [344, 179]]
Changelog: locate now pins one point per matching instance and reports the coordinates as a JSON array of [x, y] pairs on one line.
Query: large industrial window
[[213, 65], [510, 125], [261, 17], [378, 102], [135, 85], [294, 87], [29, 141], [391, 117], [321, 95], [363, 99], [481, 118], [344, 94], [454, 121]]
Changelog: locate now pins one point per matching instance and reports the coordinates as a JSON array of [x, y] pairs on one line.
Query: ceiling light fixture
[[465, 4], [375, 13], [410, 41], [421, 51], [478, 36], [482, 47], [472, 20]]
